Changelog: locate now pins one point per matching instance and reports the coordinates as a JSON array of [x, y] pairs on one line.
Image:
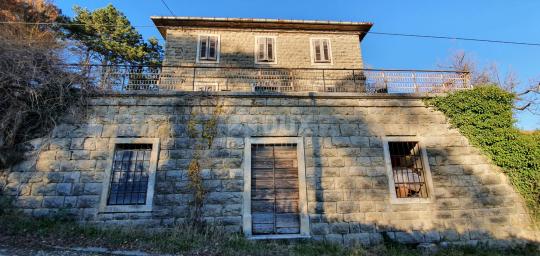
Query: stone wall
[[347, 186], [238, 48]]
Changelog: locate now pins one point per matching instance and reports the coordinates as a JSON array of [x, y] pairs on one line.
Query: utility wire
[[166, 6], [455, 38], [369, 32]]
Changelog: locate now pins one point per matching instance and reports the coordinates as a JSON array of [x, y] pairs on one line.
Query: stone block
[[356, 239], [432, 237], [334, 238], [92, 188], [413, 237], [59, 144], [341, 142], [339, 228], [70, 201], [320, 229], [80, 155], [361, 142], [233, 185], [63, 189], [232, 209], [348, 129], [88, 201], [53, 201], [29, 202], [54, 177], [212, 210], [100, 155], [348, 207], [224, 197]]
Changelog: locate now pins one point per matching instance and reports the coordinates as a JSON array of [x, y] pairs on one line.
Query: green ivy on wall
[[484, 116]]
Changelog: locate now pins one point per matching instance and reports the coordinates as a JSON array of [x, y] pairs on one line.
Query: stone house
[[293, 136]]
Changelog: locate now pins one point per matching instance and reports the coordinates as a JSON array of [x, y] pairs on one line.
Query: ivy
[[484, 115]]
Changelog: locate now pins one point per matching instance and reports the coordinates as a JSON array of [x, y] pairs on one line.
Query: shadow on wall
[[211, 76], [348, 194]]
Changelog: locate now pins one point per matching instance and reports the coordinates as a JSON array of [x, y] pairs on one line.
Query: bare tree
[[527, 95], [36, 89]]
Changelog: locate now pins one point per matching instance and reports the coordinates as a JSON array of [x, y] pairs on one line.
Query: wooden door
[[274, 189]]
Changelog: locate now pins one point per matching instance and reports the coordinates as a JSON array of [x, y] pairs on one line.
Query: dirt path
[[12, 251], [33, 250]]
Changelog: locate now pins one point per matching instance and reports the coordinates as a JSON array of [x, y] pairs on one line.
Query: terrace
[[121, 79]]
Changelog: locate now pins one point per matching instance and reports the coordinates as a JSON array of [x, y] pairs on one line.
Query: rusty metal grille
[[408, 170], [274, 189], [129, 175]]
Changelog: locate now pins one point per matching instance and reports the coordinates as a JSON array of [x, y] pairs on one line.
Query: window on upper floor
[[208, 48], [265, 51], [321, 50], [408, 170]]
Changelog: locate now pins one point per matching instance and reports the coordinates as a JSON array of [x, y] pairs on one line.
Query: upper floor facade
[[262, 43], [267, 55]]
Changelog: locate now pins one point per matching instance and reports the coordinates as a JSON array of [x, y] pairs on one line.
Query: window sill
[[265, 63], [207, 62], [125, 208], [275, 237], [412, 200]]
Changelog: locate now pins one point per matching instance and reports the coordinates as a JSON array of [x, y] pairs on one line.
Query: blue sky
[[488, 19]]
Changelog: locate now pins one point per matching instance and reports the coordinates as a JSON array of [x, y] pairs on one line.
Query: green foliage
[[484, 116], [108, 32]]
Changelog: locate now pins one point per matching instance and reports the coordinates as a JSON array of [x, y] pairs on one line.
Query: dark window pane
[[212, 47], [129, 175], [408, 170], [203, 47], [270, 43], [326, 54], [317, 47]]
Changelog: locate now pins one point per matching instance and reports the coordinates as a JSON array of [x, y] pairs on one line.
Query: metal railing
[[268, 80]]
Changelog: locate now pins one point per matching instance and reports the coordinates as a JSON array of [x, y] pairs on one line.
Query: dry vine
[[204, 140]]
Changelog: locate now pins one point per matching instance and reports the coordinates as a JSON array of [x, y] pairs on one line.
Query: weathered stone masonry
[[347, 185]]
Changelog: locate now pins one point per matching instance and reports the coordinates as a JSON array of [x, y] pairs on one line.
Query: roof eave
[[163, 22]]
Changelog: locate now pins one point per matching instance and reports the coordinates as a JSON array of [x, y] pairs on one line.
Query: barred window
[[408, 170], [129, 174]]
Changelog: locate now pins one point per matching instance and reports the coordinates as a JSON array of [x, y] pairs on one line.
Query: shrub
[[484, 115]]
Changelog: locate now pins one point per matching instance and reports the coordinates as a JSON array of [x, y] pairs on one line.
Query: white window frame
[[390, 174], [274, 50], [302, 200], [312, 49], [218, 49], [147, 207]]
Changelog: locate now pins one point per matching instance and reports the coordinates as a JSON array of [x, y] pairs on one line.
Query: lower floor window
[[129, 174], [407, 169]]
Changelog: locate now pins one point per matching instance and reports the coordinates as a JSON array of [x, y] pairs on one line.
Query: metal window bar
[[129, 174], [408, 170]]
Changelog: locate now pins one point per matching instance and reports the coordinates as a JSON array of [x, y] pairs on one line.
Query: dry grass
[[185, 239]]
